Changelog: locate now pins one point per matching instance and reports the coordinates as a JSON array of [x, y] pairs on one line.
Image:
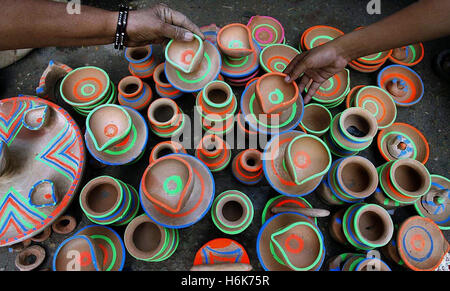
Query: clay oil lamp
[[349, 100], [435, 203], [274, 94], [221, 254], [235, 40], [266, 30], [40, 170], [210, 32], [409, 55], [232, 212], [51, 75], [280, 203], [405, 85], [421, 244], [333, 91], [400, 141], [30, 258], [318, 35], [176, 190], [166, 118], [290, 242], [276, 57], [165, 148], [379, 103], [214, 152], [90, 256], [287, 158], [247, 167], [109, 242], [185, 56], [142, 63], [134, 93], [316, 119], [147, 241], [163, 88]]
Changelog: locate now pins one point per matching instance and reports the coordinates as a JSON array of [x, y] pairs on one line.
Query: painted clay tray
[[46, 158]]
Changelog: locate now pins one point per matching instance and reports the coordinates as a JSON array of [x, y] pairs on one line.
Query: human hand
[[317, 65], [159, 24]]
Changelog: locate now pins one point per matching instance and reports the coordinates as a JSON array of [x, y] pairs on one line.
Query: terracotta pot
[[408, 56], [276, 57], [274, 94], [147, 241], [166, 118], [379, 103], [232, 212], [334, 90], [241, 82], [165, 148], [364, 68], [318, 35], [240, 70], [51, 75], [134, 93], [235, 40], [141, 61], [90, 255], [335, 227], [223, 254], [243, 129], [36, 118], [410, 177], [380, 198], [163, 88], [316, 119], [336, 263], [185, 56], [22, 259], [247, 167], [266, 30], [43, 235], [285, 201], [214, 152], [210, 32], [65, 224]]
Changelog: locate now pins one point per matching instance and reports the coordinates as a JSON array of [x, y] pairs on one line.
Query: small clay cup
[[64, 224], [134, 93], [43, 194], [141, 61], [247, 167], [274, 94], [163, 88], [166, 118], [165, 148], [214, 152], [235, 40], [24, 260], [316, 119], [185, 56]]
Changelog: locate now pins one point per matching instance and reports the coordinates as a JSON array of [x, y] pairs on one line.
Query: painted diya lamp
[[350, 99], [280, 202], [290, 242], [78, 253], [106, 200], [134, 93], [185, 56], [316, 119], [318, 35], [379, 103], [163, 88], [210, 32], [274, 94], [232, 212], [405, 85], [266, 30], [435, 203], [235, 40], [294, 163], [142, 63], [276, 57], [409, 55], [247, 167], [214, 152], [165, 148], [36, 117], [51, 75], [333, 91], [421, 244], [177, 190], [401, 141], [147, 241], [166, 118]]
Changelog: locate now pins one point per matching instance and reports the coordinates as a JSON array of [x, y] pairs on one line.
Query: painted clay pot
[[222, 254], [163, 88], [405, 85], [142, 63], [380, 198], [266, 30], [134, 93], [242, 81], [166, 118], [165, 148], [335, 227], [214, 152], [409, 55], [36, 118], [78, 253], [276, 57], [368, 264], [243, 129], [210, 32], [421, 244], [232, 212], [23, 259], [51, 75], [241, 69], [349, 100], [284, 201], [318, 35], [435, 203], [147, 241], [390, 250], [274, 94], [333, 91], [379, 103], [247, 167], [290, 241], [336, 263], [185, 56], [157, 193], [316, 119], [401, 140], [235, 40]]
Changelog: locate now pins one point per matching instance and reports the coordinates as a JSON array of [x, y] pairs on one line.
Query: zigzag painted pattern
[[11, 122]]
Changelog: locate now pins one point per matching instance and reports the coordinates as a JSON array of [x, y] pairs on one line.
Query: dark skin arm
[[42, 23], [422, 21]]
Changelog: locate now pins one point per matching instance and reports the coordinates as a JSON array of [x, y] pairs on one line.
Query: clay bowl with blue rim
[[90, 255], [235, 40], [185, 56], [274, 94]]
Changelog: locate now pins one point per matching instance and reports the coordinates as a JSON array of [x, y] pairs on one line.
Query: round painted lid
[[219, 251]]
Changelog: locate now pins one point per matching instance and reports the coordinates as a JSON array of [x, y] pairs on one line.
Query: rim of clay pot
[[251, 154], [416, 60], [196, 58], [349, 230], [363, 166], [127, 81], [159, 104], [278, 39], [93, 251], [235, 52], [414, 172], [172, 146], [274, 202], [129, 51], [358, 116], [230, 225], [382, 216], [389, 190], [383, 99], [278, 105], [222, 87], [349, 100], [220, 247], [159, 70], [283, 52], [335, 187], [323, 111], [330, 29]]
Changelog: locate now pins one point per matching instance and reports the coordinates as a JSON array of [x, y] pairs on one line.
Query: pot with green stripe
[[214, 152], [166, 118]]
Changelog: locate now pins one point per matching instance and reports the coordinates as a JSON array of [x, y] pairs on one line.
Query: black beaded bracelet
[[119, 40]]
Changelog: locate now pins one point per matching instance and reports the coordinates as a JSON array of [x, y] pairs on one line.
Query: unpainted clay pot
[[185, 56], [64, 224], [135, 93], [78, 253], [214, 152], [36, 118], [266, 30], [316, 119], [247, 167], [379, 103], [25, 256], [274, 94], [51, 75], [165, 148], [163, 88], [142, 63], [166, 118], [409, 55], [235, 40]]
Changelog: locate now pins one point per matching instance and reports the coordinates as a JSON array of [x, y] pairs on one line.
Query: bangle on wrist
[[120, 37]]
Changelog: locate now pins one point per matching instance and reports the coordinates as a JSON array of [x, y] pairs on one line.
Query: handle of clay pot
[[312, 212], [223, 267]]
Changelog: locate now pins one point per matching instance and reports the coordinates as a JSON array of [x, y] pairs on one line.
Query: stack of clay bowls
[[333, 91], [142, 63], [191, 65], [247, 167], [232, 212], [214, 152], [166, 118], [350, 180], [356, 262], [86, 88], [270, 105], [148, 241], [176, 190], [116, 135], [316, 119], [295, 163], [351, 131], [435, 203], [266, 30], [163, 88], [290, 242], [134, 93], [216, 105], [409, 55], [106, 200], [92, 248], [401, 141], [318, 35], [165, 148], [240, 54], [276, 57], [405, 85]]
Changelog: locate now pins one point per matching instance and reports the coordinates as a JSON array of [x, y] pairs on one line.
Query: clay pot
[[403, 84], [141, 61], [276, 57], [43, 194], [335, 227], [134, 93], [232, 212], [78, 253], [65, 224], [185, 56], [147, 241], [284, 201], [364, 68], [357, 262], [36, 117], [274, 94], [242, 81], [235, 40], [434, 204], [214, 152], [401, 140], [379, 103], [163, 88], [266, 30], [409, 55], [241, 69], [318, 35], [165, 148], [316, 119], [210, 32], [222, 254], [166, 118], [333, 91], [51, 75], [247, 167], [25, 256]]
